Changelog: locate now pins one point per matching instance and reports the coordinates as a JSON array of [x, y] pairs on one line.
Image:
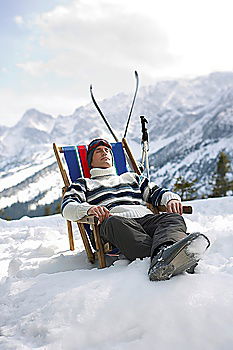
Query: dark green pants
[[141, 237]]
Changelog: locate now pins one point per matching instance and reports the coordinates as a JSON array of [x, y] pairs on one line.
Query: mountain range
[[189, 122]]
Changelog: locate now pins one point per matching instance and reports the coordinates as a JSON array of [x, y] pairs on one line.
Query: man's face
[[102, 157]]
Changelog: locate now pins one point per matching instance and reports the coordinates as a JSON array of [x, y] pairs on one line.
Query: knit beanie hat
[[93, 145]]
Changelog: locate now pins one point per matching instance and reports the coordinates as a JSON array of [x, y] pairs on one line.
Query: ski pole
[[145, 145]]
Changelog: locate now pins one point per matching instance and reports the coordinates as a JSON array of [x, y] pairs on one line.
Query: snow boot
[[179, 257]]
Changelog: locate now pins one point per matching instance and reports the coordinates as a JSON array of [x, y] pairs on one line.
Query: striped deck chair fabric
[[76, 159]]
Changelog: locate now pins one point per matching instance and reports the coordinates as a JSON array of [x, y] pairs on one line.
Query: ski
[[109, 126], [102, 115], [134, 98]]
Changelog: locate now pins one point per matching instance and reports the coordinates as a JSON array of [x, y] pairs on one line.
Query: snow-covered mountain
[[190, 121]]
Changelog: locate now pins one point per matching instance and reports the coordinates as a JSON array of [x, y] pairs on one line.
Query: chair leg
[[99, 246], [90, 254], [70, 234]]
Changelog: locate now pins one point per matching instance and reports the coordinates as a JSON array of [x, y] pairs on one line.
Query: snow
[[20, 173], [52, 298]]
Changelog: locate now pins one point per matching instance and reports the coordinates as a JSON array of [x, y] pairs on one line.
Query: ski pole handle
[[144, 129]]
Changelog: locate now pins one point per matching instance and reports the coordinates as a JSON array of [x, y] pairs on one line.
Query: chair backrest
[[76, 160]]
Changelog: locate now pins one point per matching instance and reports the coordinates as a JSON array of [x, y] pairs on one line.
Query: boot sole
[[182, 261], [162, 273]]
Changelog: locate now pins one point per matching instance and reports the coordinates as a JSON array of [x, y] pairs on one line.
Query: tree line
[[221, 182], [221, 185]]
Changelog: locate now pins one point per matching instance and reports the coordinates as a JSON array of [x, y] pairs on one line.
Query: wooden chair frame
[[92, 220]]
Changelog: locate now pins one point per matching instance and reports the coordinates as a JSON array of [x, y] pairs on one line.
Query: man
[[125, 222]]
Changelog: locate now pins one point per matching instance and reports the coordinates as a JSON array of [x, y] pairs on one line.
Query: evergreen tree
[[185, 188], [58, 208], [220, 181], [47, 210], [4, 216]]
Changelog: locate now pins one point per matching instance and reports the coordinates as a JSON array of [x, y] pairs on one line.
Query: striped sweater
[[123, 195]]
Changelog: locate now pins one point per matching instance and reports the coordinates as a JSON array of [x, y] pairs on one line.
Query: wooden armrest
[[92, 219], [187, 209], [64, 189], [88, 219]]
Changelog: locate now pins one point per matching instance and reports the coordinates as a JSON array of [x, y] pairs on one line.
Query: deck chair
[[73, 164]]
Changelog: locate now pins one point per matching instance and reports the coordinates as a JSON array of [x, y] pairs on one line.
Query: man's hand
[[99, 211], [174, 206]]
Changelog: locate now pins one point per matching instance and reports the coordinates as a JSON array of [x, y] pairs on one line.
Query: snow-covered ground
[[51, 298]]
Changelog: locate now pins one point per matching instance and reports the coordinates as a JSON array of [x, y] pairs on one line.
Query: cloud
[[100, 42], [88, 36], [19, 20], [35, 68], [104, 33], [3, 70], [119, 35]]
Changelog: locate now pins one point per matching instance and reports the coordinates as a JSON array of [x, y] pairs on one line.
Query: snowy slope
[[190, 122], [53, 299]]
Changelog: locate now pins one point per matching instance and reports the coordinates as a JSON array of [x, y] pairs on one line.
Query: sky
[[52, 50]]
